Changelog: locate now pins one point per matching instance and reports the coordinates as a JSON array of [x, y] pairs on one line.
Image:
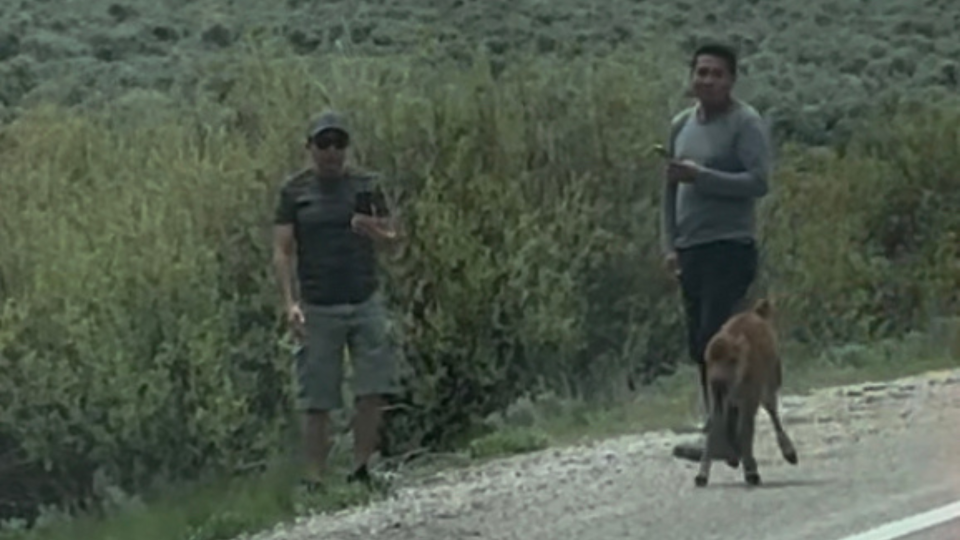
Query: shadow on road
[[773, 484]]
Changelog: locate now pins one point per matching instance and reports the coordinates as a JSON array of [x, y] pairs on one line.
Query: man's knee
[[376, 367], [375, 378], [314, 415], [319, 386], [369, 404], [314, 422], [317, 402], [319, 379]]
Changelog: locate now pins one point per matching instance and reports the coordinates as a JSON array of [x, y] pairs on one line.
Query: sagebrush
[[814, 68]]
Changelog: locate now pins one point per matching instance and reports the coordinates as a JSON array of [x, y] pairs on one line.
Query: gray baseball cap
[[328, 120]]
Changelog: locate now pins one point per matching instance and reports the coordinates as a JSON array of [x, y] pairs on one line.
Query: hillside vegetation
[[139, 335], [810, 66]]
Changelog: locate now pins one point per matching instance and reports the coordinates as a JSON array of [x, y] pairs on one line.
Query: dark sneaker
[[360, 474], [363, 476], [691, 451]]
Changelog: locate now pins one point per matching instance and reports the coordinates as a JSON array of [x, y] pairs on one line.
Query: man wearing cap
[[327, 223]]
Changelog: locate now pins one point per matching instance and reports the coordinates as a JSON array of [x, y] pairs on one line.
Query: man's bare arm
[[283, 257]]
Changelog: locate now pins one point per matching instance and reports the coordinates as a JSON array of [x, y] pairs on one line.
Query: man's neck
[[328, 175], [709, 111]]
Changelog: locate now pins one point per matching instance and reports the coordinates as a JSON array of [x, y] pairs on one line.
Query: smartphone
[[373, 204], [364, 203], [370, 204]]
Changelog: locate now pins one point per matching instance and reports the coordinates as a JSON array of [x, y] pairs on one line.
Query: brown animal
[[744, 372]]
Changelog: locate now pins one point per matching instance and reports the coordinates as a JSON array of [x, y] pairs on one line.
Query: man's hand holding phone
[[678, 170], [369, 220]]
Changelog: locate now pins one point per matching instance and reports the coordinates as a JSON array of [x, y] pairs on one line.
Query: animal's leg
[[715, 397], [731, 428], [703, 475], [747, 422], [783, 440]]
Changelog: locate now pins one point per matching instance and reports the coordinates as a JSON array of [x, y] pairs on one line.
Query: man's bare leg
[[316, 443], [366, 429]]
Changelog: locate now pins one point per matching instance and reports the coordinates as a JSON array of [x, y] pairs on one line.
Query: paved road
[[948, 531], [864, 463], [942, 523], [854, 488]]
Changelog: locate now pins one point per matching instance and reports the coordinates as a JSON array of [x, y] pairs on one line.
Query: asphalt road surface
[[942, 523], [865, 463], [948, 531], [857, 487]]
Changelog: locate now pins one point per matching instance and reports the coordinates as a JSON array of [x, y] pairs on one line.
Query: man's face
[[328, 150], [712, 80]]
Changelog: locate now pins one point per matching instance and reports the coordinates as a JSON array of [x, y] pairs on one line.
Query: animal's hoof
[[733, 463], [791, 457], [752, 479], [700, 480]]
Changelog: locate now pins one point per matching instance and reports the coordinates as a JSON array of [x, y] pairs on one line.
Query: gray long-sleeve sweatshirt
[[720, 204]]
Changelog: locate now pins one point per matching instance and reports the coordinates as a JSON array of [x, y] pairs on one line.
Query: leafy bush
[[139, 337], [861, 241]]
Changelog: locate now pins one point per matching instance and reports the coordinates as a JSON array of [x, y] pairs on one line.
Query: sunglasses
[[326, 141]]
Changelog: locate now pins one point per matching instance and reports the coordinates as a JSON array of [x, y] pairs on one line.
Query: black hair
[[721, 51]]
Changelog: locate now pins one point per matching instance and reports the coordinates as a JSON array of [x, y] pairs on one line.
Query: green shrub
[[139, 337], [508, 442], [862, 241]]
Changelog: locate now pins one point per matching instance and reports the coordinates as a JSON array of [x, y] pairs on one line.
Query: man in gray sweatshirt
[[720, 162]]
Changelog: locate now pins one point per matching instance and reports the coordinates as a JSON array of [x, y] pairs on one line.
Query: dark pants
[[714, 279]]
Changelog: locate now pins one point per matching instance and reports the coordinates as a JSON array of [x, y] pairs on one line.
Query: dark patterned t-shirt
[[335, 265]]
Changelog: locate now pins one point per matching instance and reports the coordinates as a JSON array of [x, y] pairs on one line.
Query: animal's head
[[724, 354]]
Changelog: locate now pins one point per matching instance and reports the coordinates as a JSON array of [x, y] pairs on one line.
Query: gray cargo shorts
[[330, 330]]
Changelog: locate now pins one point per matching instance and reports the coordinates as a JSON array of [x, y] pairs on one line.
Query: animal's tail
[[763, 308]]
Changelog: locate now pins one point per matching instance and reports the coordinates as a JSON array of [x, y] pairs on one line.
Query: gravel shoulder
[[869, 453]]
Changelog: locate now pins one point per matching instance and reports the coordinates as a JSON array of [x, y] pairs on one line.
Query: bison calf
[[743, 373]]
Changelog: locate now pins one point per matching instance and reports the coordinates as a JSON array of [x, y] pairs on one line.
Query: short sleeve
[[285, 211]]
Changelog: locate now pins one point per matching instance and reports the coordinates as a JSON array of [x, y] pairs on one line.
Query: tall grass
[[139, 336]]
